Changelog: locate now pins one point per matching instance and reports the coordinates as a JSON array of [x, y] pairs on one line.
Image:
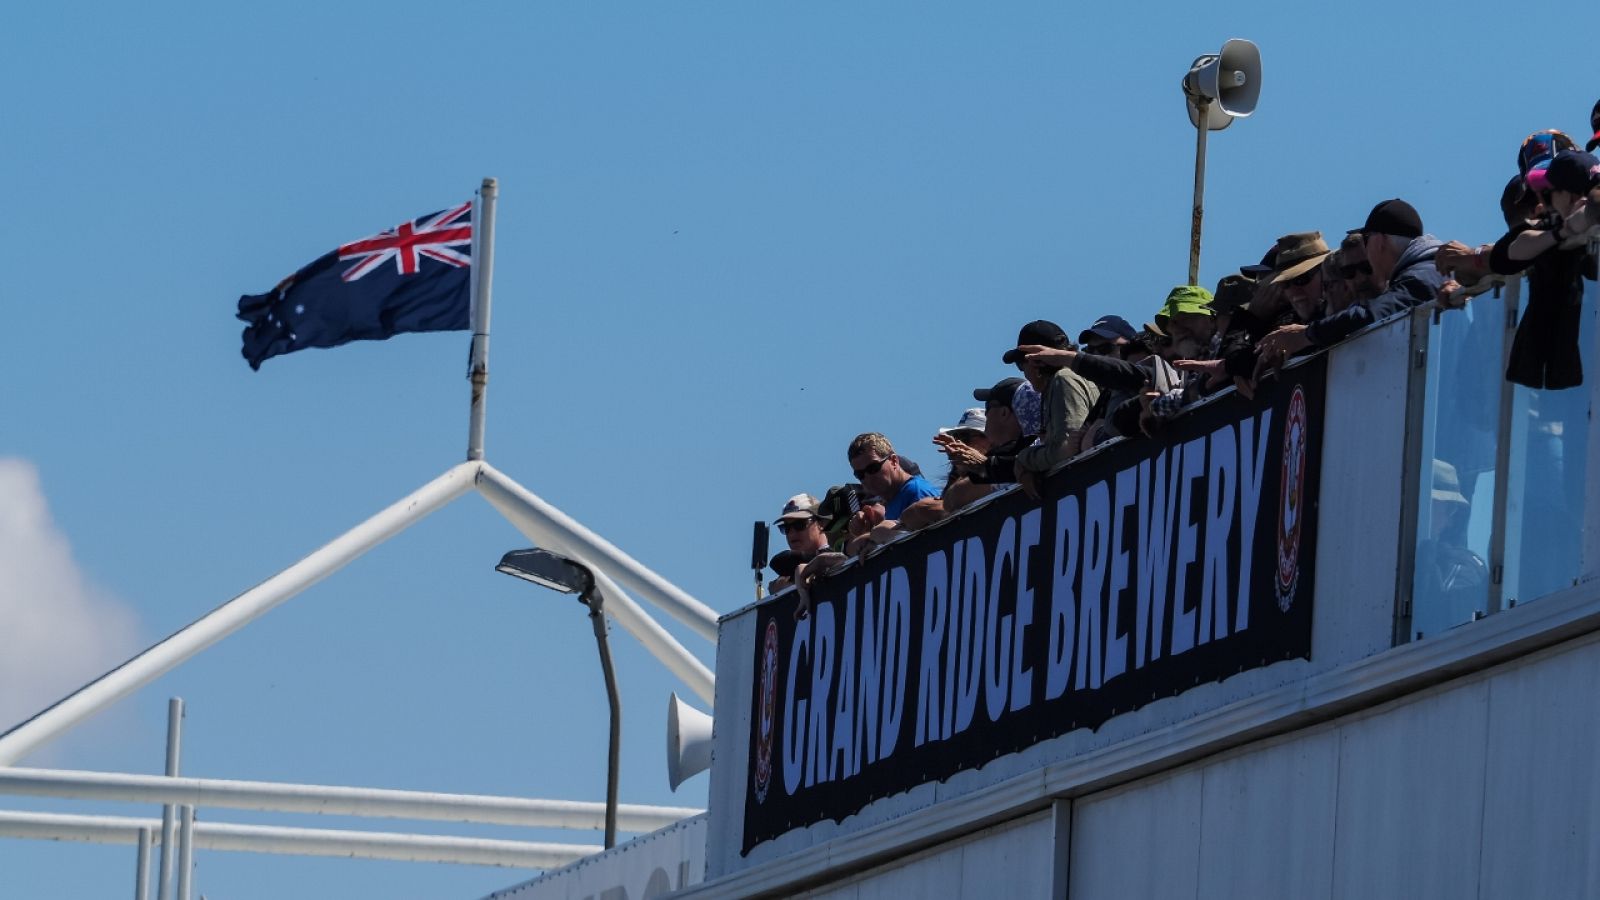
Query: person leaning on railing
[[1067, 398], [1555, 250]]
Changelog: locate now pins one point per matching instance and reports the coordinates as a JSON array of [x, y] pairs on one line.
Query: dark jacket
[[1415, 281], [1544, 352]]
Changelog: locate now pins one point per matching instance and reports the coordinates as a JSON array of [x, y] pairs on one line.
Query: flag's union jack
[[433, 236]]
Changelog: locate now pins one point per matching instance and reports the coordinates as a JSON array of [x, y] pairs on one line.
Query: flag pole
[[482, 282]]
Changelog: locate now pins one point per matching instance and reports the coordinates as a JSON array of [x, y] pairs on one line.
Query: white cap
[[972, 420]]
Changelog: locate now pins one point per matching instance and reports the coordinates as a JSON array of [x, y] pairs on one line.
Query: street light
[[1218, 88], [572, 577]]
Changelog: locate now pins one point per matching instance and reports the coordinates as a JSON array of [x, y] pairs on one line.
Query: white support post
[[233, 615], [169, 811], [525, 510], [185, 851], [511, 500], [141, 867], [482, 279]]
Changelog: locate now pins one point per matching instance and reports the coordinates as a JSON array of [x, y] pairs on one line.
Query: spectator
[[1544, 352], [803, 526], [1335, 292], [1451, 580], [1299, 273], [1191, 322], [966, 440], [877, 467], [1401, 256], [1067, 399], [971, 429], [1594, 123], [1005, 435], [1108, 336], [804, 530], [1233, 294], [1356, 270]]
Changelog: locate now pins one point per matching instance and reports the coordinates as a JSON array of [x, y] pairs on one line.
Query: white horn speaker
[[1230, 80], [688, 741]]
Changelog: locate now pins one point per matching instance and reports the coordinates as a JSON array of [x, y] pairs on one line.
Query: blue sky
[[731, 236]]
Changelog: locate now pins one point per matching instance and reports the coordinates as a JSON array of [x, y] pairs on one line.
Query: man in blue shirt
[[881, 473]]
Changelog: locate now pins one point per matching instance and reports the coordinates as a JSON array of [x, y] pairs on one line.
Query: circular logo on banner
[[1291, 494], [765, 720]]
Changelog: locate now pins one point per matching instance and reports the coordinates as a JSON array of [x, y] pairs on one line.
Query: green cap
[[1188, 298]]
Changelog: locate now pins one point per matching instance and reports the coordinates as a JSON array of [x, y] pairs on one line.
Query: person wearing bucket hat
[[1190, 321], [1544, 350], [1299, 272]]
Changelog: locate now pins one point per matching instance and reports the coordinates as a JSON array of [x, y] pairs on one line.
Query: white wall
[[1484, 787]]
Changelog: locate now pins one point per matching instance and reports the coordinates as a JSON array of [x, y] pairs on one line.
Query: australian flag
[[413, 277]]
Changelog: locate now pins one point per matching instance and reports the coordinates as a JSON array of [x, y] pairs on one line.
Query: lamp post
[[1218, 89], [572, 577]]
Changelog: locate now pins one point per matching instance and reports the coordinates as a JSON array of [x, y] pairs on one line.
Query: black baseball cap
[[1573, 171], [1394, 216], [1232, 292], [1039, 331], [1003, 392]]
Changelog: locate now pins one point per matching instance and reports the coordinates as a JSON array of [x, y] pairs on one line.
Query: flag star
[[299, 309]]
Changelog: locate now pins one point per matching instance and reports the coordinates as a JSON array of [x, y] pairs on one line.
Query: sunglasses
[[869, 469], [1304, 278], [1351, 271], [788, 525]]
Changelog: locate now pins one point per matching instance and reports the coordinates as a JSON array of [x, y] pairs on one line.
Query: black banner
[[1148, 568]]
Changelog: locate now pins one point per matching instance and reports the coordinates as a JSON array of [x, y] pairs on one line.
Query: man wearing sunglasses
[[1356, 271], [880, 471], [1299, 272]]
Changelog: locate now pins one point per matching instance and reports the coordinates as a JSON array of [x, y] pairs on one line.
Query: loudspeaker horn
[[688, 741], [1230, 80]]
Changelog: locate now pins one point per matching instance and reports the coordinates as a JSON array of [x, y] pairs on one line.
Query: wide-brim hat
[[1298, 254]]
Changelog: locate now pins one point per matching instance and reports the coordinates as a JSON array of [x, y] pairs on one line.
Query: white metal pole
[[141, 869], [233, 615], [169, 811], [621, 607], [120, 787], [303, 841], [521, 506], [482, 286], [185, 850]]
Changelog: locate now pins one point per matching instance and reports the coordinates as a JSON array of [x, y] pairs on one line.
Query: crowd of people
[[1304, 295]]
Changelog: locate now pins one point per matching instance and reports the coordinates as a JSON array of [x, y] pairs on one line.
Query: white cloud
[[57, 629]]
